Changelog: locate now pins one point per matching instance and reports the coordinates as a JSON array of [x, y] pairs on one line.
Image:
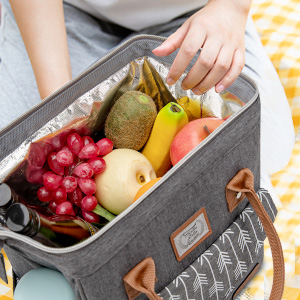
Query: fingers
[[205, 63], [219, 63], [187, 51], [172, 43], [226, 69], [236, 68], [218, 70]]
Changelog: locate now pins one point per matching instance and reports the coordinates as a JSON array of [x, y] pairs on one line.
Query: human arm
[[218, 28], [42, 27]]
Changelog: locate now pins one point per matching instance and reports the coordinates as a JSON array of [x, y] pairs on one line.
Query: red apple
[[191, 135]]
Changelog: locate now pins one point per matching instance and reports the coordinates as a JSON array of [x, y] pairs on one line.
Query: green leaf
[[99, 210]]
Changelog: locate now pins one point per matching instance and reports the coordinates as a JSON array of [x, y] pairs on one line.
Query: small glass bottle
[[54, 231], [7, 198]]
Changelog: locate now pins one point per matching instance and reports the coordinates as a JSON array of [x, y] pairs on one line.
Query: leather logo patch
[[190, 234]]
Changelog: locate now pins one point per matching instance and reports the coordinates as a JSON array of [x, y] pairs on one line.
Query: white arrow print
[[183, 275], [223, 261], [244, 240], [172, 297], [218, 285], [200, 280], [258, 242], [261, 194], [241, 265]]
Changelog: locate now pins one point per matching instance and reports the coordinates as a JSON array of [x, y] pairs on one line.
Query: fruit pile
[[91, 179], [69, 187]]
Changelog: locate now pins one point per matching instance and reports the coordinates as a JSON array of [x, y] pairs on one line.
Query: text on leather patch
[[188, 236]]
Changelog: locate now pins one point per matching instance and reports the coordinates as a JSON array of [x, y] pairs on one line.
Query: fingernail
[[220, 88], [197, 92], [170, 81], [158, 47]]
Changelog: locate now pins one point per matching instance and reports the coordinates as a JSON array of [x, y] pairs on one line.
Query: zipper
[[9, 234]]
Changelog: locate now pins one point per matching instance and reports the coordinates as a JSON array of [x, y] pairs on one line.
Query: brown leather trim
[[243, 182], [233, 199], [182, 227], [141, 279], [248, 278]]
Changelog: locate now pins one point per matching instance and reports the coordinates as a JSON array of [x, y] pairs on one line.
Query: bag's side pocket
[[220, 271]]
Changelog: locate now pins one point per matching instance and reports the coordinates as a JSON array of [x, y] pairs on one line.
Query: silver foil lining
[[87, 115]]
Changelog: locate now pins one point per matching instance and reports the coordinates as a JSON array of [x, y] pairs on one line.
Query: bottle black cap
[[17, 217], [5, 195]]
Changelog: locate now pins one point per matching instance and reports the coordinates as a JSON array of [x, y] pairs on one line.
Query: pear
[[126, 172]]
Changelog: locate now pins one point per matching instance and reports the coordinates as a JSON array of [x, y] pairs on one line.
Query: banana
[[192, 107], [169, 121]]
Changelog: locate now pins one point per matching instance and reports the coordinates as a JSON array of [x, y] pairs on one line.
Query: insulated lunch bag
[[198, 233]]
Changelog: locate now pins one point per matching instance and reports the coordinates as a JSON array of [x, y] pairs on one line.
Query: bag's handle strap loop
[[243, 183], [141, 279]]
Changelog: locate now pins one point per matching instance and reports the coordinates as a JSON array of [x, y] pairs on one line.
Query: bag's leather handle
[[243, 184], [141, 279]]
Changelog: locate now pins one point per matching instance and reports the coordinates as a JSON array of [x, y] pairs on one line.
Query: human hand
[[218, 30]]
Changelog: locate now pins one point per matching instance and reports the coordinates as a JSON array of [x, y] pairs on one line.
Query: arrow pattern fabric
[[223, 267]]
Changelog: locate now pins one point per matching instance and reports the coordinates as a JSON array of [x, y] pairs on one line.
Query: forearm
[[42, 27]]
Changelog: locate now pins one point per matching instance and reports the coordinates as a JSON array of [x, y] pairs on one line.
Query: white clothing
[[137, 14], [88, 41]]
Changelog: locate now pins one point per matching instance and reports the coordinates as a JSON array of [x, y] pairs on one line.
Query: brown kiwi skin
[[130, 120]]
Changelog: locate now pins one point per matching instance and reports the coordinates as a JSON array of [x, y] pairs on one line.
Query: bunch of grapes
[[69, 187]]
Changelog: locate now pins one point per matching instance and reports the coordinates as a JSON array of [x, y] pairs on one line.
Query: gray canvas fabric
[[222, 268], [97, 268]]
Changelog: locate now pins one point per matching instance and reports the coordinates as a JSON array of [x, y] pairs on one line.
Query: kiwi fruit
[[130, 120]]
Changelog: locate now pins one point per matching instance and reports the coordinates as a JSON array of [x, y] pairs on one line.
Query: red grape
[[98, 164], [65, 208], [75, 143], [35, 174], [90, 216], [87, 140], [52, 206], [59, 140], [51, 181], [69, 183], [84, 170], [76, 196], [89, 203], [87, 185], [90, 150], [69, 170], [59, 195], [105, 145], [54, 165], [44, 194], [65, 157]]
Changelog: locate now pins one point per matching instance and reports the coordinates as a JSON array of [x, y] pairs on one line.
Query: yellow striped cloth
[[278, 23], [6, 292]]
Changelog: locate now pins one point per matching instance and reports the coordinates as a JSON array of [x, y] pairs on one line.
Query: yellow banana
[[192, 107], [169, 121]]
